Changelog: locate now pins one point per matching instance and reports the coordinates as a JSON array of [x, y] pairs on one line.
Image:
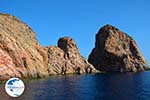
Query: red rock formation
[[66, 58], [22, 56], [19, 47], [116, 51]]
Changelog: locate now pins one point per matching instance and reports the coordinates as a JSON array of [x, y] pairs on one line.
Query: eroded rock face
[[22, 56], [66, 58], [20, 53], [116, 51]]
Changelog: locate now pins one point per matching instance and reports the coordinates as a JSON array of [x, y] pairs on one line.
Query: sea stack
[[116, 51]]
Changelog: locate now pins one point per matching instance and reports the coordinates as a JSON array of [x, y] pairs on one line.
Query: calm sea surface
[[108, 86]]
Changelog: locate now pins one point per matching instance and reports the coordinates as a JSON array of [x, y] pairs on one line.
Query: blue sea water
[[107, 86]]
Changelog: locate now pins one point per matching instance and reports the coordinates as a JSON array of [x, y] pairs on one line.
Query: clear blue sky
[[81, 19]]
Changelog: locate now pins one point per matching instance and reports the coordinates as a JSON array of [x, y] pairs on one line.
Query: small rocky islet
[[116, 51], [22, 56]]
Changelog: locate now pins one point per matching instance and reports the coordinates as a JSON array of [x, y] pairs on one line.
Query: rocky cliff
[[22, 56], [116, 51], [65, 58], [20, 53]]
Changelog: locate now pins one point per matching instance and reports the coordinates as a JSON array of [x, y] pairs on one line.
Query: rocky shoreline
[[22, 56]]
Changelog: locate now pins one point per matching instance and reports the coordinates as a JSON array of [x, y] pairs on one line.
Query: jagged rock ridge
[[116, 51]]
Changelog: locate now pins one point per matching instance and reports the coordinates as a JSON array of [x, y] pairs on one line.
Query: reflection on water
[[109, 86]]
